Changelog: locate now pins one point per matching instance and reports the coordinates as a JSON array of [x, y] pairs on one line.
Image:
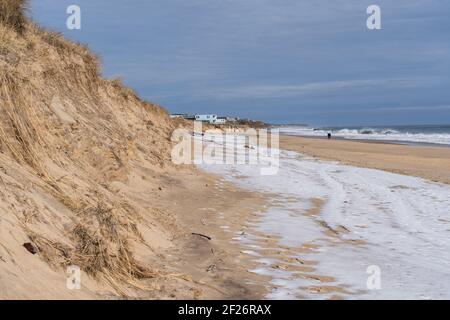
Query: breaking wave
[[440, 135]]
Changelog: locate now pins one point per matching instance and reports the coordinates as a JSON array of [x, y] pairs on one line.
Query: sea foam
[[401, 225]]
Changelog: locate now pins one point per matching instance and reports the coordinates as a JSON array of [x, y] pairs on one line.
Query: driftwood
[[201, 235]]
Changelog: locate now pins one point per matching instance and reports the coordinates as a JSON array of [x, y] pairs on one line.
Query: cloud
[[314, 88], [266, 58]]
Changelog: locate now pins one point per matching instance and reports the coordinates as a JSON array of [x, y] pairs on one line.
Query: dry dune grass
[[69, 135], [100, 248], [12, 13]]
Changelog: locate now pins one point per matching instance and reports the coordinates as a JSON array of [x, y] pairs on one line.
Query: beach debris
[[280, 267], [31, 249], [201, 235], [344, 228], [211, 267]]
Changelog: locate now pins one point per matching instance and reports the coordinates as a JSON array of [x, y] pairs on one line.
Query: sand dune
[[86, 180]]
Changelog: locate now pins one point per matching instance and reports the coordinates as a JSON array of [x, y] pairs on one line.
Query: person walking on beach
[[329, 135]]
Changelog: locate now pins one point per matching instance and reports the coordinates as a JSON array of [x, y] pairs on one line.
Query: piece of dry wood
[[201, 235]]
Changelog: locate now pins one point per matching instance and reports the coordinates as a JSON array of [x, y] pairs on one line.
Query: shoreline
[[375, 141], [428, 162], [321, 229]]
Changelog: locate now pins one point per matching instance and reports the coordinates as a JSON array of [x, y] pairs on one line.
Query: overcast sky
[[291, 61]]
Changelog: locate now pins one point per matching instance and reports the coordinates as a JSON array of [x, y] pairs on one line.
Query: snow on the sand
[[402, 225]]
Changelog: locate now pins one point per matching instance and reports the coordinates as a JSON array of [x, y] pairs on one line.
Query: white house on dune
[[211, 118], [221, 120]]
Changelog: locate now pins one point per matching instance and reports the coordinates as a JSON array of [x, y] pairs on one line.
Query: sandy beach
[[187, 225], [336, 209], [300, 234], [308, 232], [96, 202], [207, 213], [427, 162]]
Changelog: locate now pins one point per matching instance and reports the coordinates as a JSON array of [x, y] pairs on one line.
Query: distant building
[[182, 115], [211, 118], [221, 120], [177, 115]]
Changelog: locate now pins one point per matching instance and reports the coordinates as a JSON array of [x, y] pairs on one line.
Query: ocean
[[421, 134]]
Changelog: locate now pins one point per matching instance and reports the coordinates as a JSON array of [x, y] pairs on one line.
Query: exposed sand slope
[[82, 163], [65, 135], [431, 163]]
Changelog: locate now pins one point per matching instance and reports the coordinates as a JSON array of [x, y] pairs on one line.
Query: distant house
[[221, 120], [211, 118], [182, 115], [177, 115]]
